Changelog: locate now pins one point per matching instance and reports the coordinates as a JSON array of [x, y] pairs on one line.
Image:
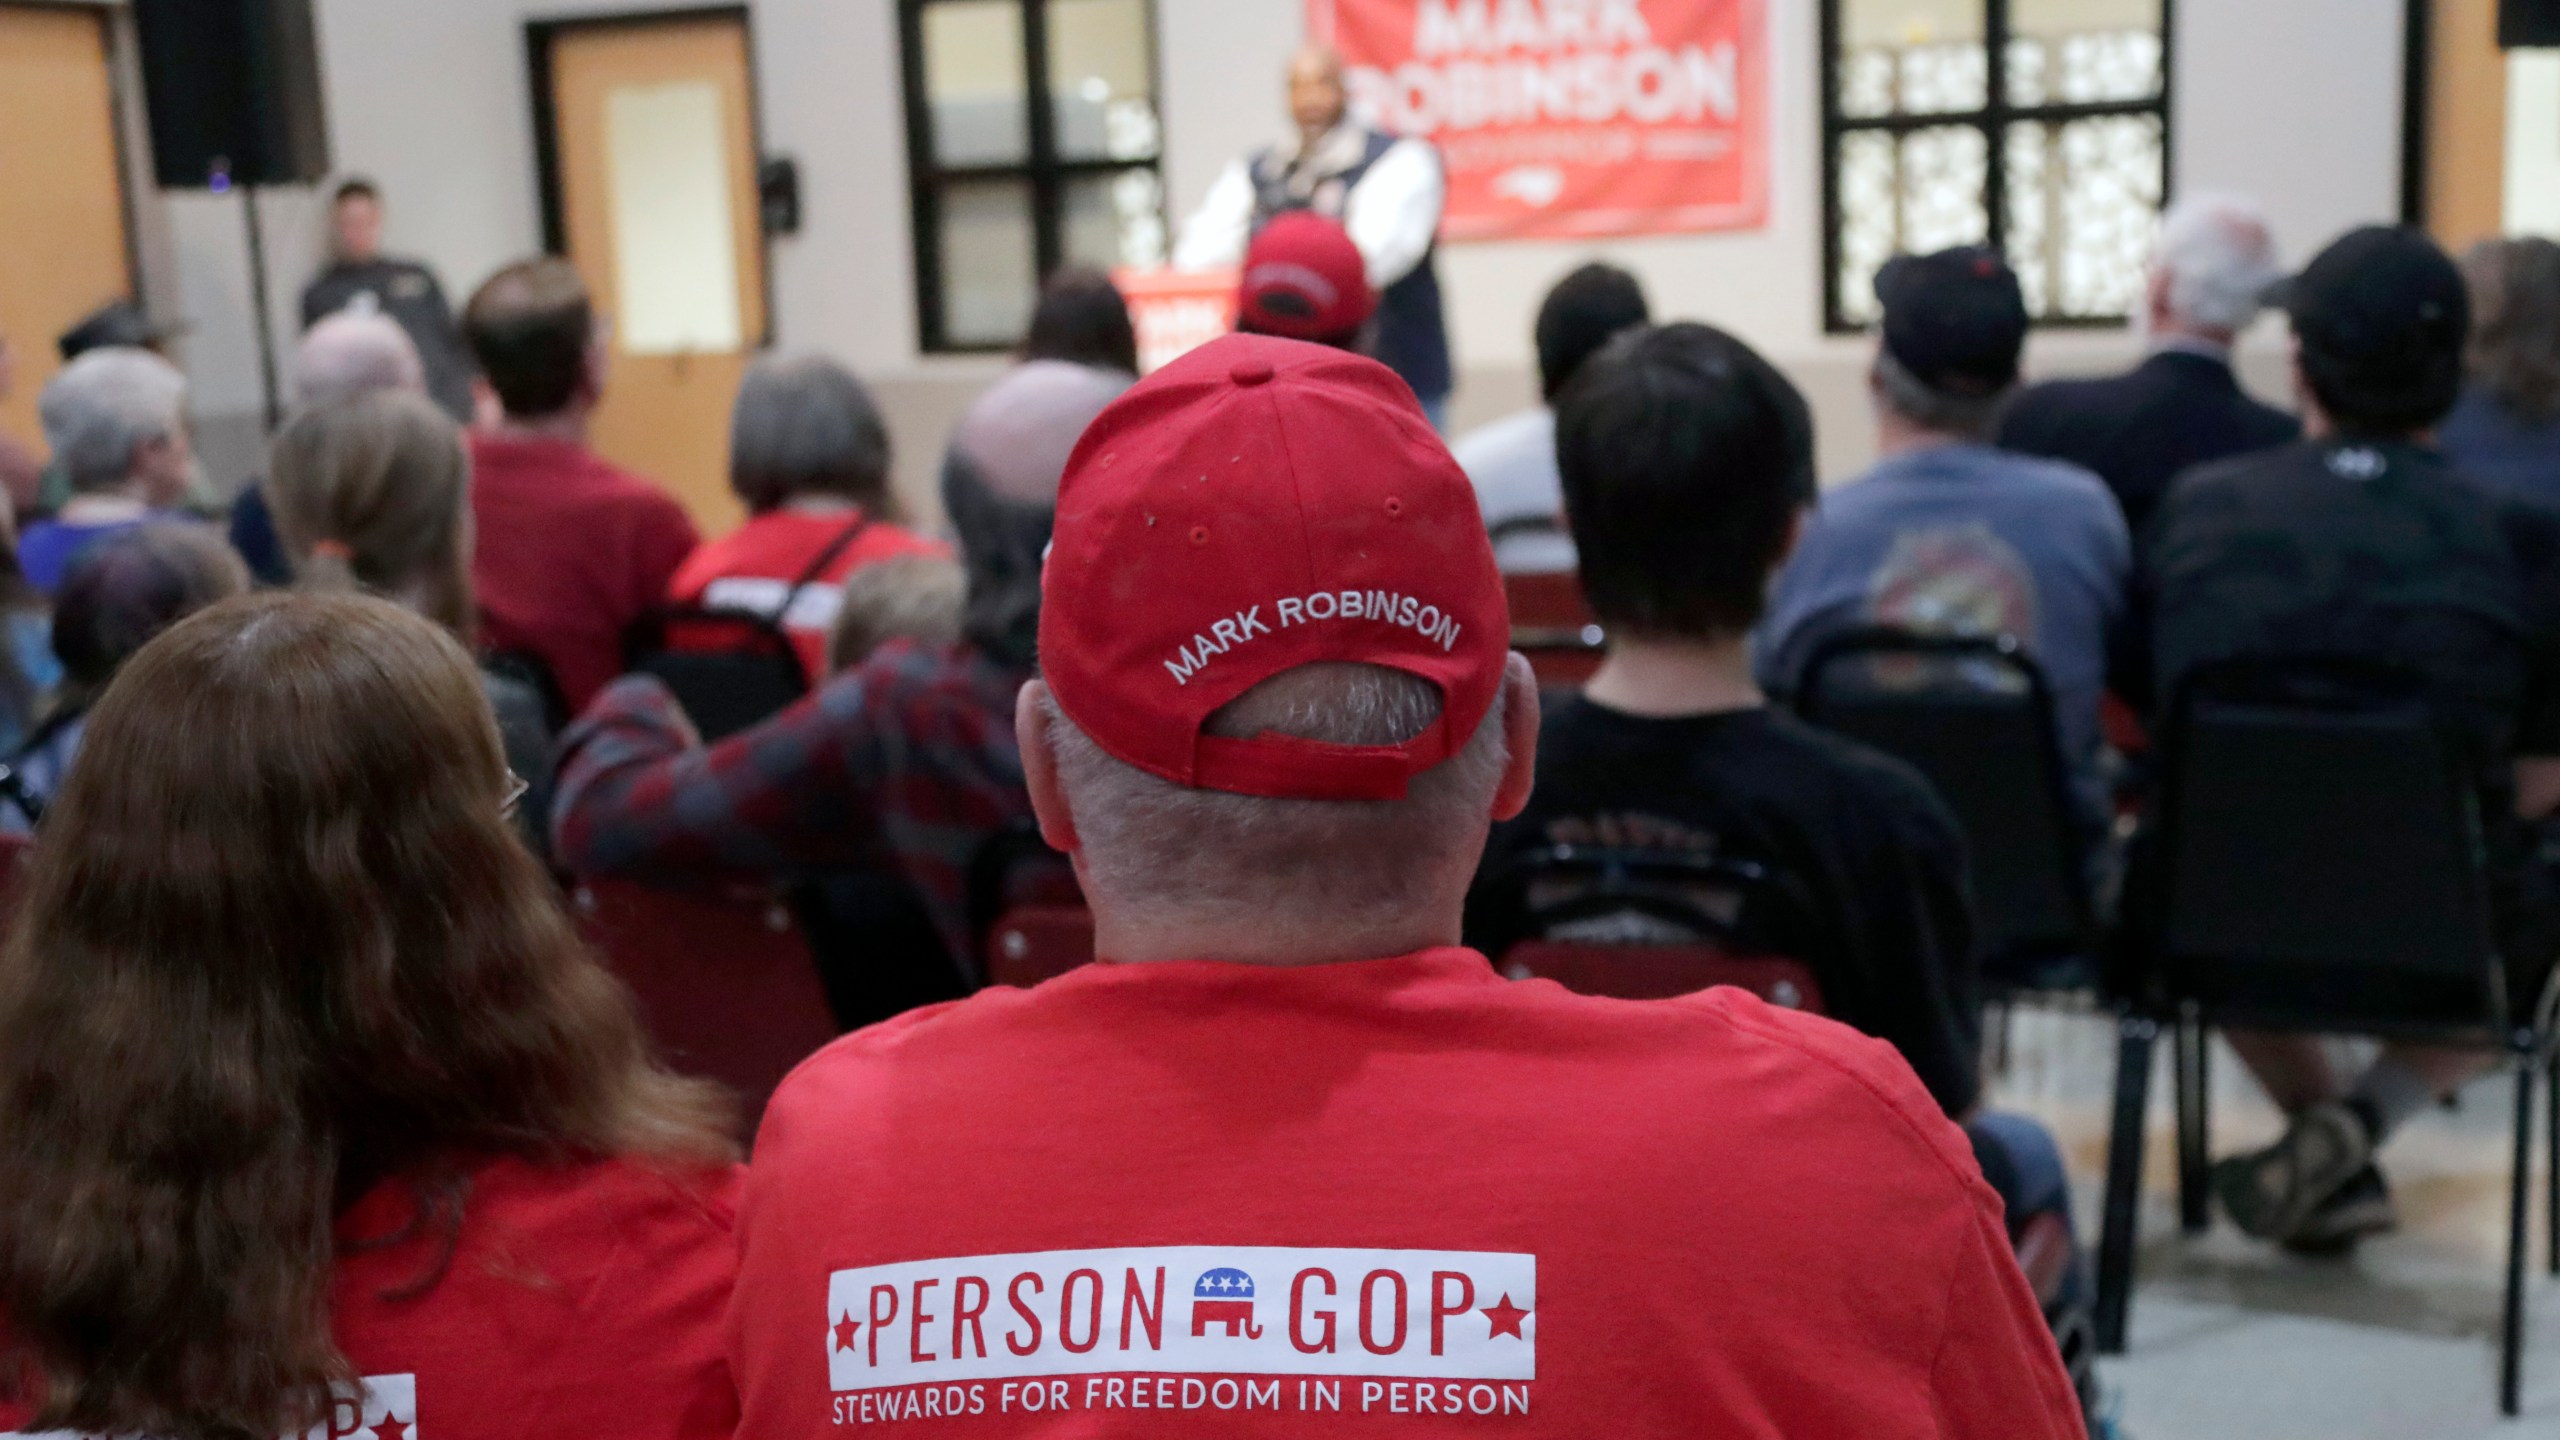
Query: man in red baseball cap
[[1304, 280], [1289, 1161]]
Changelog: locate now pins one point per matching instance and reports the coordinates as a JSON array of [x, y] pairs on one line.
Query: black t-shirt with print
[[1871, 856], [2380, 551]]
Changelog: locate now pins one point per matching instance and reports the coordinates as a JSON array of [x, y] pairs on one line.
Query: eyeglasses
[[513, 801]]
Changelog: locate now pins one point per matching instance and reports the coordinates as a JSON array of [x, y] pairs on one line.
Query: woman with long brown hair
[[313, 1109], [372, 492]]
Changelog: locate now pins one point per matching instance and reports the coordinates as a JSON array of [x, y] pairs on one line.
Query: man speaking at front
[[1289, 1161]]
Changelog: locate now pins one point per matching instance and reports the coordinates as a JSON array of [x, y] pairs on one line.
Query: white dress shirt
[[1393, 214]]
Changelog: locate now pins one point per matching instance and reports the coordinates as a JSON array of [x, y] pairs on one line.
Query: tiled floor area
[[2236, 1341]]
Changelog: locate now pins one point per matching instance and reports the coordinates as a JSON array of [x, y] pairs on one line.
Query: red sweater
[[580, 1300], [570, 555]]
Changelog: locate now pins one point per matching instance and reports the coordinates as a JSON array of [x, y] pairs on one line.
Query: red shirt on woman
[[579, 1300], [753, 567]]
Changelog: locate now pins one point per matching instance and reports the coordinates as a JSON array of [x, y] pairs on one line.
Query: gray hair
[[1943, 412], [2219, 257], [1206, 857], [806, 425], [105, 405], [354, 353]]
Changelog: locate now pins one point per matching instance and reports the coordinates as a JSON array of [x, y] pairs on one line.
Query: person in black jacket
[[360, 277], [2181, 406]]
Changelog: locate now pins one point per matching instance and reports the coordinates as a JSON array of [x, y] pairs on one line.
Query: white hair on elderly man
[[100, 410], [1206, 857], [354, 353], [2215, 257]]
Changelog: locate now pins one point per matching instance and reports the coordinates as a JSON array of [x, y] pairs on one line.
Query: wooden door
[[2464, 127], [62, 232], [654, 138]]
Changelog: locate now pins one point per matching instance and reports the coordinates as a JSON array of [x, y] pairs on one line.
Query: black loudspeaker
[[2528, 24], [233, 87]]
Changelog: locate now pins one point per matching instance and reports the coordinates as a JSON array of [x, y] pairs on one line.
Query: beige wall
[[2296, 101]]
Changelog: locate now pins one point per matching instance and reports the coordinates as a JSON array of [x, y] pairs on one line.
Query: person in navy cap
[[1948, 535]]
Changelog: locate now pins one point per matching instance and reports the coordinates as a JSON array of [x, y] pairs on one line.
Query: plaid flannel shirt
[[907, 760]]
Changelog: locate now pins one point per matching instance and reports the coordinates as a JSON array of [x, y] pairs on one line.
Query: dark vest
[[1413, 341]]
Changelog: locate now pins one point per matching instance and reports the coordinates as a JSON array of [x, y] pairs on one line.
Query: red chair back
[[1658, 972], [1036, 942], [726, 982], [1553, 626]]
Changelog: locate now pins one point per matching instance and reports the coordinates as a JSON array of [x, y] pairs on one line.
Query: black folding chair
[[1974, 716], [1648, 924], [2317, 865]]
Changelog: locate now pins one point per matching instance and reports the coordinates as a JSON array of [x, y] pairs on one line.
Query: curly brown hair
[[278, 943]]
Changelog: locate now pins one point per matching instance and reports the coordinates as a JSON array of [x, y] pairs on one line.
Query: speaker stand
[[259, 307]]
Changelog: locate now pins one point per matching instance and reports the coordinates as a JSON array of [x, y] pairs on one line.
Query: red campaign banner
[[1570, 118]]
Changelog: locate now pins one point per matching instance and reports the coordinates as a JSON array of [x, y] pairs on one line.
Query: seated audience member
[[1947, 535], [1512, 462], [1083, 319], [809, 456], [1273, 728], [345, 355], [305, 1076], [905, 764], [2182, 406], [2363, 541], [572, 556], [1303, 279], [21, 473], [1680, 468], [28, 670], [118, 594], [373, 494], [2505, 430], [922, 598], [116, 419]]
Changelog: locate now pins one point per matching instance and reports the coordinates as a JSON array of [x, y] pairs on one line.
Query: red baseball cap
[[1258, 505], [1303, 278]]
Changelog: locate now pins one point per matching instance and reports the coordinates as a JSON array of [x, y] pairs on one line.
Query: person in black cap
[[2363, 541], [116, 323], [1949, 535]]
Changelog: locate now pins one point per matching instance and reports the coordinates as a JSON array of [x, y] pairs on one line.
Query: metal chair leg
[[2511, 1332], [2123, 1210], [2551, 1167], [2195, 1160]]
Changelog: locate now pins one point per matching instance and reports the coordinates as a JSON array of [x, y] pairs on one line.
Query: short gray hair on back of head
[[805, 425], [1943, 412], [101, 407], [354, 353], [2219, 257], [1210, 858]]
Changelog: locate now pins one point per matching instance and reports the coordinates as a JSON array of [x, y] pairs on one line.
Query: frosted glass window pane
[[2533, 143], [1115, 220], [674, 238], [1101, 80], [974, 82], [2083, 52], [988, 279]]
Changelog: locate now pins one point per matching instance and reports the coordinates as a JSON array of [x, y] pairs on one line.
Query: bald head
[[351, 354], [1316, 97]]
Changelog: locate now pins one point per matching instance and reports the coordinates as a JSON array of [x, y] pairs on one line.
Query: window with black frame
[[2057, 154], [1032, 140]]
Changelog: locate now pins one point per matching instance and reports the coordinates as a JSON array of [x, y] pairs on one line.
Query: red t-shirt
[[581, 1300], [570, 555], [1394, 1197], [752, 567]]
